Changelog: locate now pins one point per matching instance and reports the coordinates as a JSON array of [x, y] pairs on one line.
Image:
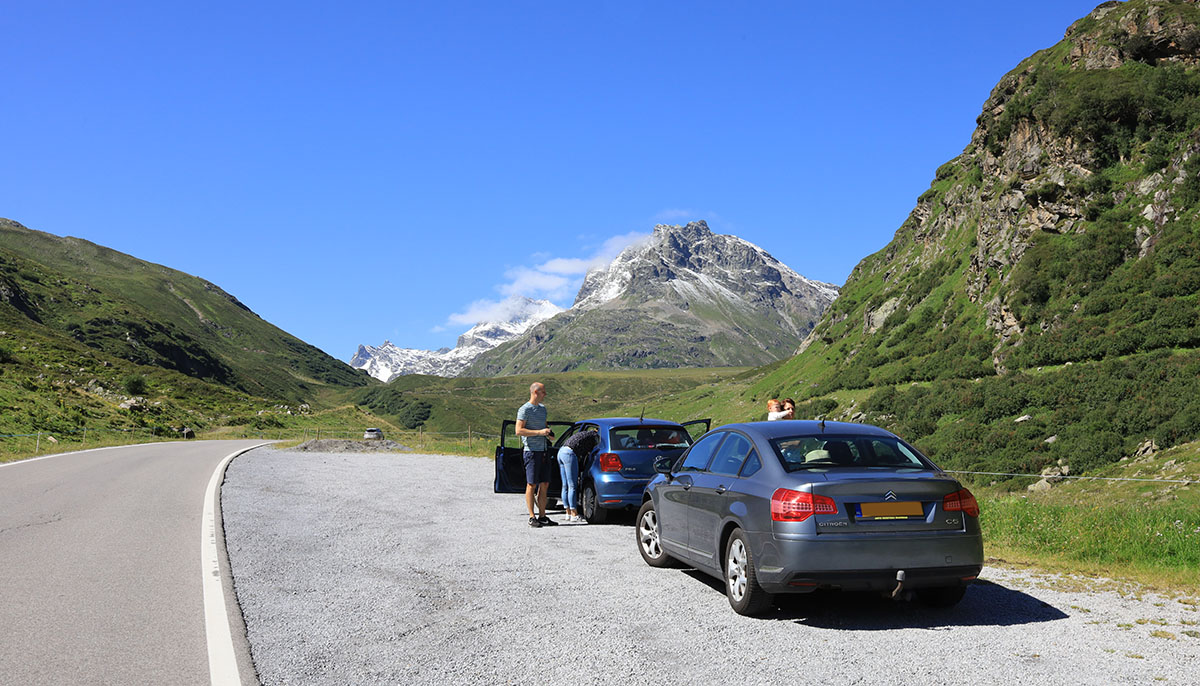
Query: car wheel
[[649, 543], [942, 596], [591, 507], [746, 597]]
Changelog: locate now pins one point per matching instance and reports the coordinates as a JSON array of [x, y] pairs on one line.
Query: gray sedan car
[[793, 506]]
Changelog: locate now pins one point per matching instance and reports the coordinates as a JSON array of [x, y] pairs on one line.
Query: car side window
[[698, 455], [729, 457], [752, 464]]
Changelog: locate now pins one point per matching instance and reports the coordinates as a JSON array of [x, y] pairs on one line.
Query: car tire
[[648, 541], [942, 596], [590, 506], [746, 597]]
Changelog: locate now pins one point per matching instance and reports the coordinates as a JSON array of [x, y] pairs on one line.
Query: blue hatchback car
[[615, 474]]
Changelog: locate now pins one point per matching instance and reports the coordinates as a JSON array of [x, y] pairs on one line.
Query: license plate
[[891, 510]]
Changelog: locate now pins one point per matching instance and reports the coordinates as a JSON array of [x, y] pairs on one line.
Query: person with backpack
[[578, 445]]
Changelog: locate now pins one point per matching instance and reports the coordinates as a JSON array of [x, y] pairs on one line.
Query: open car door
[[694, 428], [510, 468]]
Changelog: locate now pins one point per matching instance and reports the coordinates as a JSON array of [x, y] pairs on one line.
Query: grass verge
[[1156, 546]]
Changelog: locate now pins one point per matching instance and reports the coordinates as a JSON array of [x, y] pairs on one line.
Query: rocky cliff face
[[388, 361], [1064, 231], [686, 297]]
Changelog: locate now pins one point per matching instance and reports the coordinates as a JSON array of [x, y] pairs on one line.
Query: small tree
[[135, 384]]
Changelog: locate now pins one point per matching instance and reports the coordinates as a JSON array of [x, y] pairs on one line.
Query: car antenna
[[822, 425], [642, 416]]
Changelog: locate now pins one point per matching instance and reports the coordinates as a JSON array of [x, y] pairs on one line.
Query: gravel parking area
[[405, 568]]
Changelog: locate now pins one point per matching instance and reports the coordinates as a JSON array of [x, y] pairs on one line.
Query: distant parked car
[[614, 475], [373, 434], [793, 506]]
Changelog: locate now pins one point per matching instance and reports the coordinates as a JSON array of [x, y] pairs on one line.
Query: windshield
[[847, 451], [649, 438]]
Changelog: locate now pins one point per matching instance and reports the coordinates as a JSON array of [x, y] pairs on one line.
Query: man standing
[[535, 435]]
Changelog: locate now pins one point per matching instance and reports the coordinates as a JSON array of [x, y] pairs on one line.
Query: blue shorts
[[538, 464]]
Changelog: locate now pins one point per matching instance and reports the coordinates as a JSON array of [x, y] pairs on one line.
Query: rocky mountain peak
[[511, 319], [678, 259], [684, 297]]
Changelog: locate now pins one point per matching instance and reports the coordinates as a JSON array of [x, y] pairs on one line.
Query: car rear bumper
[[868, 563], [616, 492]]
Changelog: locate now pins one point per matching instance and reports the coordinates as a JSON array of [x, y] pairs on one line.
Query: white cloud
[[565, 265], [485, 311], [553, 278], [534, 283]]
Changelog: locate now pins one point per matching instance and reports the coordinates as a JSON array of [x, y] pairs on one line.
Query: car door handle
[[721, 489]]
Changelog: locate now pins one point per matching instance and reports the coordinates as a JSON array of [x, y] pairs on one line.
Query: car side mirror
[[663, 464]]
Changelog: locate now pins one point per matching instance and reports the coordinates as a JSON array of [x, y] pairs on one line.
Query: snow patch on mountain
[[387, 361]]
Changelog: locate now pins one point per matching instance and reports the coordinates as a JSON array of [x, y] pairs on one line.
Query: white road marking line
[[222, 662], [79, 452]]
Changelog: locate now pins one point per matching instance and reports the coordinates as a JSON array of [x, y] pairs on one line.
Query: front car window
[[697, 458], [825, 451], [649, 437]]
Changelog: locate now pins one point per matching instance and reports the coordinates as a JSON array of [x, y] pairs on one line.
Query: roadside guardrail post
[[37, 448]]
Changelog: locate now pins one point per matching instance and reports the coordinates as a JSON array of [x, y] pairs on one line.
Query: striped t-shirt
[[535, 418]]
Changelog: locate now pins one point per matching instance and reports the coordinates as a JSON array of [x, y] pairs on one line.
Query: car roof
[[627, 421], [806, 427]]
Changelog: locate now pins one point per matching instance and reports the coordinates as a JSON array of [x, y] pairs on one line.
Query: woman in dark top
[[577, 445]]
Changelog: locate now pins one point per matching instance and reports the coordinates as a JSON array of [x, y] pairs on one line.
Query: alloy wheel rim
[[735, 573], [649, 530]]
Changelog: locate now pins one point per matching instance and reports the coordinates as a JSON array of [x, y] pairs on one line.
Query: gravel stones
[[406, 568]]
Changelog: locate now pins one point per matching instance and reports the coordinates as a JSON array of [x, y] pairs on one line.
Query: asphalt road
[[100, 565], [407, 569]]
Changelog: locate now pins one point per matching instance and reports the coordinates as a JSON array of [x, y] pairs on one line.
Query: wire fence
[[470, 441], [39, 442], [45, 442], [1085, 478]]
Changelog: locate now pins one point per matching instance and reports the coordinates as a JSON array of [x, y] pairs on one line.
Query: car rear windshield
[[649, 437], [847, 451]]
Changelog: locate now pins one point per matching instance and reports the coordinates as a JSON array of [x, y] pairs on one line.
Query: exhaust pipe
[[899, 583]]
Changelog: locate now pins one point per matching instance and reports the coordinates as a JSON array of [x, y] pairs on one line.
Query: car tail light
[[796, 506], [961, 501], [610, 462]]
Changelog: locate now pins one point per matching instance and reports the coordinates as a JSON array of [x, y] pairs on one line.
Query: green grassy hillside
[[152, 315], [1051, 269], [447, 405]]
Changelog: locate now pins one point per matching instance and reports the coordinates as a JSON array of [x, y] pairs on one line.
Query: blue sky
[[361, 171]]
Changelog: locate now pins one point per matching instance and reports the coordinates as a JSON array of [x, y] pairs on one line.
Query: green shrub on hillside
[[134, 384], [1108, 110], [405, 410], [1099, 412], [1089, 296]]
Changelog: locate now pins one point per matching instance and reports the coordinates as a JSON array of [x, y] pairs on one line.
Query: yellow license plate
[[908, 509]]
